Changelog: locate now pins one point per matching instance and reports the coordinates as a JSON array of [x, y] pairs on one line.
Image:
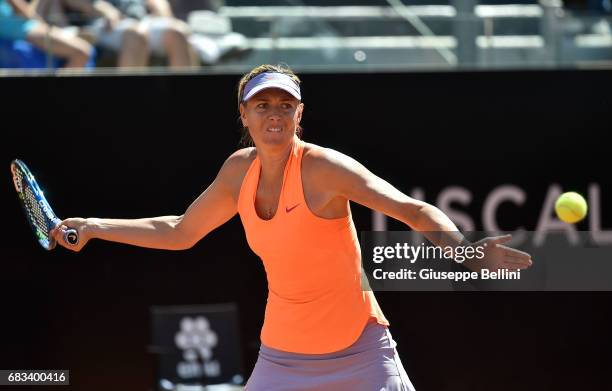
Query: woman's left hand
[[497, 256]]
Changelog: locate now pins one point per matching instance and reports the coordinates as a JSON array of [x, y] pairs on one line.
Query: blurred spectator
[[134, 29], [212, 34], [20, 22], [600, 6], [590, 6], [598, 14]]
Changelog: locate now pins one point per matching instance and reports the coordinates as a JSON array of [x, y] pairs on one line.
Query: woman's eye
[[261, 106], [286, 106]]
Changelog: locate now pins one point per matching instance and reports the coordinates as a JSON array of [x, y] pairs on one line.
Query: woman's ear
[[300, 111], [243, 117]]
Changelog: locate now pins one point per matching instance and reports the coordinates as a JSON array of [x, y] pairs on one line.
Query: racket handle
[[71, 236]]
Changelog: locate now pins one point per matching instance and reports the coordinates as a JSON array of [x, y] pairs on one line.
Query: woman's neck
[[273, 162]]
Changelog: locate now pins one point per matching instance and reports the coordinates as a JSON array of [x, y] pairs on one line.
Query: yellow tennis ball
[[571, 207]]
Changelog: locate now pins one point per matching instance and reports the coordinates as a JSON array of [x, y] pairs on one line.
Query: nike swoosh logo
[[290, 209]]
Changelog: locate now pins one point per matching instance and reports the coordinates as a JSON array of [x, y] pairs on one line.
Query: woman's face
[[272, 117]]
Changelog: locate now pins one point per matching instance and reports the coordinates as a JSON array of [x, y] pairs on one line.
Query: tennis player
[[321, 331]]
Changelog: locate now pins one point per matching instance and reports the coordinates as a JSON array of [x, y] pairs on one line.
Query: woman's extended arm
[[351, 180], [215, 206]]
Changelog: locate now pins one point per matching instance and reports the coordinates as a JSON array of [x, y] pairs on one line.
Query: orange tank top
[[315, 300]]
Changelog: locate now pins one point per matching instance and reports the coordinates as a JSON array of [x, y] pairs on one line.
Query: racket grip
[[71, 236]]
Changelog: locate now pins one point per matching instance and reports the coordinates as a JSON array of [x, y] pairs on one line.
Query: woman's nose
[[275, 112]]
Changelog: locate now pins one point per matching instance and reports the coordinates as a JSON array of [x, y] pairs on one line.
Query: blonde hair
[[245, 138]]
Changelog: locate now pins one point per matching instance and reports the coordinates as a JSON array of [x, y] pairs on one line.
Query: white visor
[[271, 80]]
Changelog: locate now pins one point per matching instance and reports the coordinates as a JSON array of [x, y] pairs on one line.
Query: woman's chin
[[275, 139]]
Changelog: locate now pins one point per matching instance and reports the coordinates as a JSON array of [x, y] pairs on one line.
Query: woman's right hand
[[80, 225]]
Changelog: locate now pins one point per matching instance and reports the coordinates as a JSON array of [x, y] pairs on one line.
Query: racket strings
[[35, 213]]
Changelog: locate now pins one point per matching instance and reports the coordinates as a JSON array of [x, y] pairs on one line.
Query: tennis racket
[[36, 208]]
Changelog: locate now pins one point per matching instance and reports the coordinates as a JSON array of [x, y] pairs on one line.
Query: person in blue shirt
[[19, 21]]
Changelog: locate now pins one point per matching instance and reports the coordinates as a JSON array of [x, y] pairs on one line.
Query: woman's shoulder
[[236, 166], [241, 159], [317, 158], [317, 155]]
